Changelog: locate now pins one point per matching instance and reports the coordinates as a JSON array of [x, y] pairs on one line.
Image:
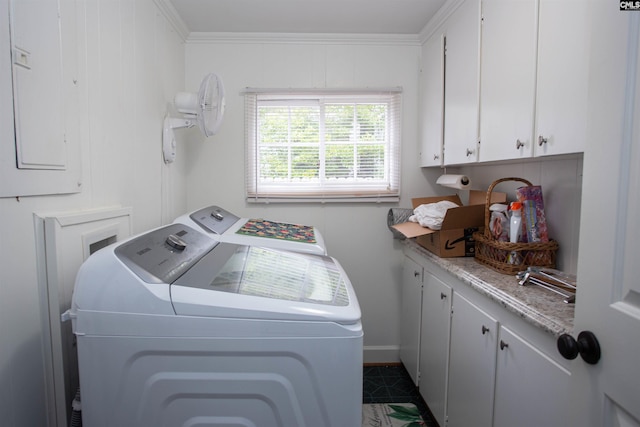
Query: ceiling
[[307, 16]]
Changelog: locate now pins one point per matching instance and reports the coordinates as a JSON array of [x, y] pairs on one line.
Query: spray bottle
[[515, 230], [516, 222]]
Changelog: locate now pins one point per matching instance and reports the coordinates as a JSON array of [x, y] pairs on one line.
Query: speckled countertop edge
[[540, 307]]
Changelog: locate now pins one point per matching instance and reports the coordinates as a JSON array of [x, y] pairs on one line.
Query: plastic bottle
[[515, 230], [516, 222], [499, 223]]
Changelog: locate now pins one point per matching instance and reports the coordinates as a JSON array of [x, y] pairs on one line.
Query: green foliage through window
[[306, 144]]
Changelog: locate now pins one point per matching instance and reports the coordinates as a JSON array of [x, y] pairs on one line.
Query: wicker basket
[[500, 255]]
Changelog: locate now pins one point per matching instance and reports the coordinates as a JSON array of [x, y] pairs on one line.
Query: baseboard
[[381, 354]]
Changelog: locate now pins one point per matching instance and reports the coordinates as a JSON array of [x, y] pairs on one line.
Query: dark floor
[[392, 384]]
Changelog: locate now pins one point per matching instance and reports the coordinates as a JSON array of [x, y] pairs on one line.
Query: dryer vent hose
[[76, 411]]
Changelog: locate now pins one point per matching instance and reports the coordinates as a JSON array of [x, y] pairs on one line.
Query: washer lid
[[214, 219], [255, 282]]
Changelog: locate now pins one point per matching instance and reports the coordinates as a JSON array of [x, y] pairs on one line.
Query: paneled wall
[[355, 234], [128, 62]]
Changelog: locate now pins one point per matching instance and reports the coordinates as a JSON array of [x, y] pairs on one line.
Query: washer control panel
[[164, 254], [214, 219]]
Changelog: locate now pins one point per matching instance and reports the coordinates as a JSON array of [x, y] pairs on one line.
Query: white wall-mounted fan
[[205, 108]]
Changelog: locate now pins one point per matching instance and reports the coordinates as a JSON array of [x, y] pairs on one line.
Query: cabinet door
[[474, 336], [434, 345], [563, 65], [432, 99], [531, 388], [462, 70], [507, 83], [411, 316]]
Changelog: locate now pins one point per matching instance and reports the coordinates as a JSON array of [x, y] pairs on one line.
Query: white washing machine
[[224, 226], [176, 329]]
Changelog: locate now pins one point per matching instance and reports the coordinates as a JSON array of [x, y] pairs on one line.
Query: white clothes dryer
[[176, 329], [225, 226]]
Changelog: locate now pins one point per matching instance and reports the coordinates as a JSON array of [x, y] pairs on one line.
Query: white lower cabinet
[[411, 315], [472, 364], [530, 386], [478, 364], [434, 344]]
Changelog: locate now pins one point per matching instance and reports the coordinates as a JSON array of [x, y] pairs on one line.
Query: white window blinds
[[322, 145]]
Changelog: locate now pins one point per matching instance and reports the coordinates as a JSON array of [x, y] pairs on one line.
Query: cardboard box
[[455, 238]]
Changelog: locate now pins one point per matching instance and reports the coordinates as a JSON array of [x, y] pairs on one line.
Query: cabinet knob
[[519, 144], [542, 140], [587, 346], [436, 156], [484, 329], [443, 295], [470, 152], [503, 345], [416, 273]]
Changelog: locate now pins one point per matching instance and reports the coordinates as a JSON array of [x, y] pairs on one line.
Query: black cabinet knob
[[586, 346]]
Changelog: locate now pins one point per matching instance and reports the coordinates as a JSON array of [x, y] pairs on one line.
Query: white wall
[[355, 234], [128, 61]]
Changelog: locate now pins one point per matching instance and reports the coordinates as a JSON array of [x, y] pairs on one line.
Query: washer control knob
[[176, 242]]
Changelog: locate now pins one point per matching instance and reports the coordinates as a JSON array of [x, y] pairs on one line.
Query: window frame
[[353, 189]]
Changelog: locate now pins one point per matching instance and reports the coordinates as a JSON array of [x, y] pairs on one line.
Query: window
[[321, 145]]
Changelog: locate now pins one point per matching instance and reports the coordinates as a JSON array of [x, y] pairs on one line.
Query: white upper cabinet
[[432, 99], [508, 79], [563, 64], [462, 58], [515, 82]]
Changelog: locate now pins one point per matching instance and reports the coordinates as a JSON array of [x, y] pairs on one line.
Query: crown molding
[[438, 19], [170, 12], [305, 38]]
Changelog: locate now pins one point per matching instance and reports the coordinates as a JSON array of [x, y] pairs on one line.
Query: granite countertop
[[540, 307]]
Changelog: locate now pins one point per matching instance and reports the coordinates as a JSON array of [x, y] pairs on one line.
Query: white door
[[432, 98], [461, 85], [434, 344], [507, 79], [472, 365], [608, 300], [411, 316]]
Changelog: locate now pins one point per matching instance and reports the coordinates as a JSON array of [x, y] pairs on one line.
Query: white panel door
[[434, 344], [531, 387], [608, 297], [563, 73], [432, 98], [462, 75], [37, 85], [507, 83], [39, 125], [410, 316], [472, 365]]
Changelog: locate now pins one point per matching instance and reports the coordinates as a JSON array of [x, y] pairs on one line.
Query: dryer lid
[[235, 280]]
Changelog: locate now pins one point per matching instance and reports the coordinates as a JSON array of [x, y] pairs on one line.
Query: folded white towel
[[431, 214]]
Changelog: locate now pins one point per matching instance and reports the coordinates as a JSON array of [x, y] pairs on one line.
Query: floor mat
[[391, 415]]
